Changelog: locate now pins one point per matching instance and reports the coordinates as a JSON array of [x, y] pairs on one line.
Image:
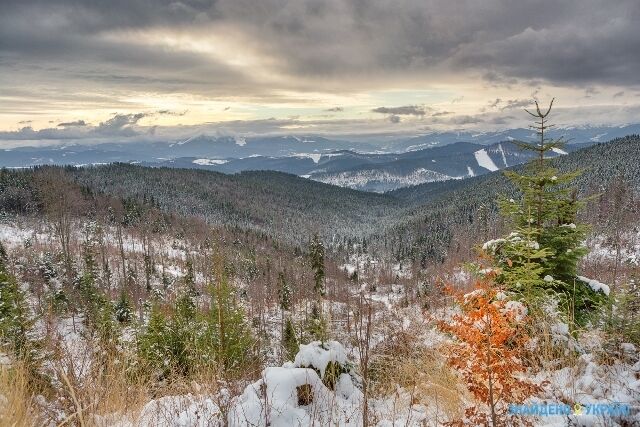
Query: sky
[[130, 70]]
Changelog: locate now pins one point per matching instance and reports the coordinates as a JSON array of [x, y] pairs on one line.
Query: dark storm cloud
[[465, 120], [585, 42], [63, 42], [120, 125], [494, 104], [516, 103], [70, 124], [573, 41], [407, 110]]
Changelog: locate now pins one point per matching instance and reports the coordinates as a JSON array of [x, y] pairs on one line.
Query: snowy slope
[[484, 161]]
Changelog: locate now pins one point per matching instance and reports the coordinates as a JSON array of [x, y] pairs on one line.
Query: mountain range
[[368, 166]]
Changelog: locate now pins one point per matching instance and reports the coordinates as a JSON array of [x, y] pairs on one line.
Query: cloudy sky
[[144, 69]]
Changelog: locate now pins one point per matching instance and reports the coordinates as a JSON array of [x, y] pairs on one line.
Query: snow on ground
[[174, 411], [504, 157], [295, 394], [359, 262], [209, 162], [313, 156], [13, 235], [484, 160], [602, 251], [360, 179], [589, 383]]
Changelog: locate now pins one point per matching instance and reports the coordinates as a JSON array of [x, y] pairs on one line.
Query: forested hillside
[[440, 210], [414, 222]]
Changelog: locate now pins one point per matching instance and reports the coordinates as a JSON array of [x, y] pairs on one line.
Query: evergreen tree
[[149, 270], [284, 292], [542, 254], [189, 279], [184, 349], [131, 279], [15, 320], [124, 308], [3, 256], [89, 258], [16, 329], [316, 256], [317, 327], [153, 344], [99, 314], [290, 343], [47, 267], [227, 329]]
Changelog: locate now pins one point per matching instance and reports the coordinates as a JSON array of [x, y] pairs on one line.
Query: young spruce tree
[[227, 329], [317, 324], [540, 257]]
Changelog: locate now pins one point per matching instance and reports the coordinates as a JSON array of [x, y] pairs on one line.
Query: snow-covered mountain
[[358, 165], [583, 134], [378, 172]]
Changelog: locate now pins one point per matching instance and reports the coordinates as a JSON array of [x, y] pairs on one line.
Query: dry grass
[[421, 371], [102, 390], [547, 352], [16, 407], [110, 393]]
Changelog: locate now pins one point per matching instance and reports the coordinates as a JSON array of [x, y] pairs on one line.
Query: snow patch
[[504, 157], [485, 161], [313, 156], [209, 162], [595, 285], [319, 355]]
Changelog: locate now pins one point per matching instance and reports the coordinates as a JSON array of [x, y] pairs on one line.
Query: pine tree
[[290, 342], [153, 344], [149, 270], [317, 325], [316, 256], [189, 279], [15, 320], [99, 314], [3, 256], [124, 308], [542, 255], [184, 349], [227, 329], [284, 292], [131, 278], [17, 328]]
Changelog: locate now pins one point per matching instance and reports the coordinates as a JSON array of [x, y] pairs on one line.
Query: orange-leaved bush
[[487, 351]]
